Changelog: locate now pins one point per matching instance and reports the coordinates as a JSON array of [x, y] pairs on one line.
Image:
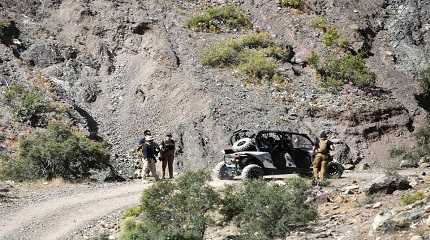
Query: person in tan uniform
[[167, 155], [322, 149]]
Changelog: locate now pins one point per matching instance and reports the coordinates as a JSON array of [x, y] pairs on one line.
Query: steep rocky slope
[[126, 66]]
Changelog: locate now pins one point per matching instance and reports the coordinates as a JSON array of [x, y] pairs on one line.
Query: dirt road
[[61, 212], [57, 217]]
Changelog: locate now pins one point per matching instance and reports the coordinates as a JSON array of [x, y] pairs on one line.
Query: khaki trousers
[[320, 166], [150, 168]]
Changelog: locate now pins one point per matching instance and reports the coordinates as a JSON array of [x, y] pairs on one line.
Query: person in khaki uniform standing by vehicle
[[167, 154], [322, 157], [150, 152]]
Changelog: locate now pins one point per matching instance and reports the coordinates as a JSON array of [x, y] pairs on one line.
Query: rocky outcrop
[[132, 65], [387, 184]]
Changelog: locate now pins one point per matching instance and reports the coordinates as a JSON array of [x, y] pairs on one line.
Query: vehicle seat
[[278, 157]]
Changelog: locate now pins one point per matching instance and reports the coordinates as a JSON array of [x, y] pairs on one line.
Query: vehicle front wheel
[[334, 170], [221, 172], [252, 171]]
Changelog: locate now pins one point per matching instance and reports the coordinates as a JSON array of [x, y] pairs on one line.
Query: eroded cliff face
[[127, 66]]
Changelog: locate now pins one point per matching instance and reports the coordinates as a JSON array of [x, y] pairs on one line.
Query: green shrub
[[320, 23], [335, 72], [57, 151], [331, 36], [3, 24], [314, 60], [221, 54], [291, 3], [214, 19], [174, 210], [257, 65], [411, 198], [132, 212], [254, 54], [266, 211], [424, 80], [420, 149], [27, 104], [255, 40]]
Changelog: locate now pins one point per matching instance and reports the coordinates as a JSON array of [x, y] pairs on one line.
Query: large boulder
[[387, 184]]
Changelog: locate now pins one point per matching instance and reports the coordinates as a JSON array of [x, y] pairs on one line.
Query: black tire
[[243, 145], [334, 170], [221, 172], [252, 171]]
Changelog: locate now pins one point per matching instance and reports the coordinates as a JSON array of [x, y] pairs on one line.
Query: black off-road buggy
[[255, 154]]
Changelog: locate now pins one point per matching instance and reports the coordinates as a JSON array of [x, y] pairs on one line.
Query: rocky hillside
[[123, 66]]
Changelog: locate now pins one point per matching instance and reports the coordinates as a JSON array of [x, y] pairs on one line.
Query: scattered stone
[[377, 205], [417, 237], [400, 218], [352, 187], [424, 165], [388, 184], [348, 166], [408, 164], [363, 167]]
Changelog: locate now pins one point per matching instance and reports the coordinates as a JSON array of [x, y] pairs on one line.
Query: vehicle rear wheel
[[334, 170], [221, 172], [252, 171], [243, 145]]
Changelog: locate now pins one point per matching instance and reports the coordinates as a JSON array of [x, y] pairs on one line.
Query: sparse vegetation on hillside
[[173, 210], [3, 24], [291, 3], [411, 198], [27, 104], [414, 153], [57, 151], [255, 55], [267, 211], [219, 18], [331, 36], [335, 72]]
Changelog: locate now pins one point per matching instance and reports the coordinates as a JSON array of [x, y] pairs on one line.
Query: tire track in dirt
[[56, 218]]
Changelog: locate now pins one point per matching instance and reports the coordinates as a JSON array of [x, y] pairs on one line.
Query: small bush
[[257, 65], [331, 36], [335, 72], [265, 211], [411, 198], [132, 212], [174, 210], [420, 149], [255, 40], [216, 18], [57, 151], [254, 54], [291, 3], [320, 23], [27, 104], [221, 54], [3, 24]]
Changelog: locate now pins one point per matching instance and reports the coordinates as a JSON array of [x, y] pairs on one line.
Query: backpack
[[323, 146]]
